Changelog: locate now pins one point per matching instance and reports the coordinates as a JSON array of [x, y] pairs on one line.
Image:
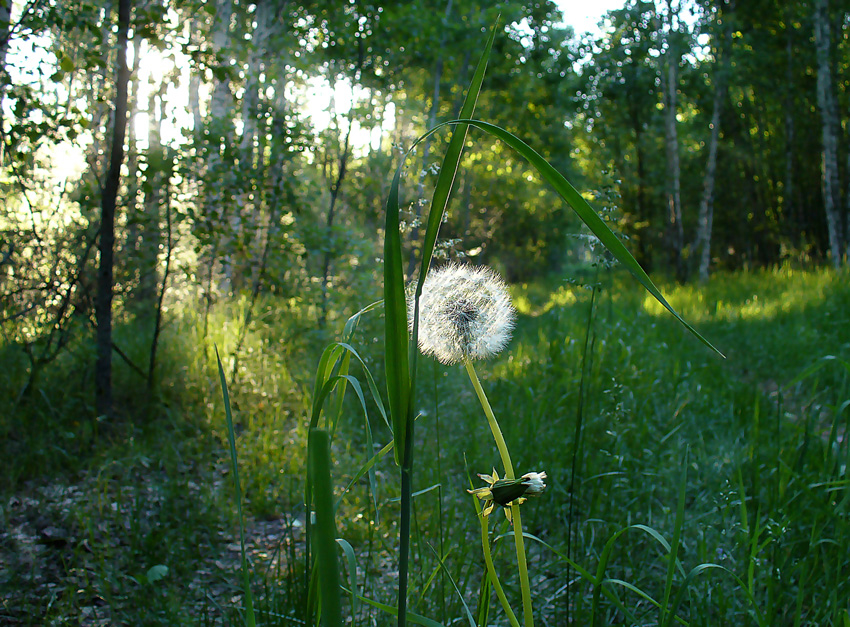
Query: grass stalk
[[250, 619], [491, 569], [325, 535]]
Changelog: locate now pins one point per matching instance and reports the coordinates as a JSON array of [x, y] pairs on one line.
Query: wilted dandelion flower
[[465, 313]]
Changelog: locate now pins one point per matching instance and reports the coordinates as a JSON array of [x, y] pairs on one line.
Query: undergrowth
[[90, 510]]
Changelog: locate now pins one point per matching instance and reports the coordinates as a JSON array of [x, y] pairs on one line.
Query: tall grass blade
[[352, 574], [674, 546], [697, 570], [250, 619], [400, 360], [454, 585], [389, 609], [324, 537], [584, 211]]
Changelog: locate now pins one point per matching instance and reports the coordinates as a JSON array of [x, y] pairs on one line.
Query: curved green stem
[[516, 519], [491, 570], [491, 419], [522, 566]]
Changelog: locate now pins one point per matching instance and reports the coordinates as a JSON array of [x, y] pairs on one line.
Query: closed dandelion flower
[[533, 481], [465, 313], [504, 492]]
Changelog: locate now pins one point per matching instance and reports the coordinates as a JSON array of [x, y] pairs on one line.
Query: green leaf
[[324, 538], [231, 438], [155, 573], [584, 211], [66, 64], [395, 326]]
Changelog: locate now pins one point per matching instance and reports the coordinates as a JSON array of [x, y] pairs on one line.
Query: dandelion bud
[[503, 492], [533, 481], [465, 313]]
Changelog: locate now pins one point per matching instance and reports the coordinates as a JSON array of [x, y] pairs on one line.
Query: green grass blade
[[585, 574], [674, 546], [400, 360], [584, 211], [697, 570], [352, 573], [370, 380], [469, 616], [351, 323], [324, 537], [250, 619], [633, 588], [429, 582], [395, 323], [389, 609]]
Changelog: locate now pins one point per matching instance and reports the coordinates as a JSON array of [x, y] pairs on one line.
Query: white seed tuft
[[465, 313]]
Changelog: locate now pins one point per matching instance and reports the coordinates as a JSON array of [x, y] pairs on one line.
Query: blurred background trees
[[261, 136]]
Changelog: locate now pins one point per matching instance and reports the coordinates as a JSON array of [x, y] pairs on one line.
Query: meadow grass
[[743, 460]]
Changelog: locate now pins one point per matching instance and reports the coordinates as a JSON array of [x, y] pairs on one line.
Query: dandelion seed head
[[465, 312]]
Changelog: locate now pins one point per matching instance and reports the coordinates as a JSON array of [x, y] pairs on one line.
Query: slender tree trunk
[[674, 203], [5, 35], [248, 200], [789, 206], [706, 206], [132, 240], [5, 26], [103, 307], [342, 166], [169, 246], [156, 189], [195, 88], [5, 32], [224, 219], [829, 130]]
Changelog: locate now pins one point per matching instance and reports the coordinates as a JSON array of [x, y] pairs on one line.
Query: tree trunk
[[789, 206], [248, 201], [674, 203], [155, 190], [829, 130], [706, 205], [169, 248], [341, 169], [5, 32], [103, 307], [195, 87], [224, 223], [134, 234]]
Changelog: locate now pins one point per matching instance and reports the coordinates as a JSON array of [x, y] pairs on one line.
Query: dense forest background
[[194, 150]]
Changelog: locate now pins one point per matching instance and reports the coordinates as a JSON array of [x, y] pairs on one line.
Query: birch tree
[[829, 131], [706, 206], [671, 140]]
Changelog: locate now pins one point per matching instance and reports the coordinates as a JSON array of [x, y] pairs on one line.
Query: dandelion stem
[[491, 570], [491, 419], [522, 566]]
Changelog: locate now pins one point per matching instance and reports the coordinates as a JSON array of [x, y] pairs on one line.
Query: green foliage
[[764, 496]]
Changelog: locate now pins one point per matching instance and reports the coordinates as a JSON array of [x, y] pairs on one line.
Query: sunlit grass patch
[[756, 295]]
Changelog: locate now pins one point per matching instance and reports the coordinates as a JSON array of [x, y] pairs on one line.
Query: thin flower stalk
[[516, 519], [491, 569]]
